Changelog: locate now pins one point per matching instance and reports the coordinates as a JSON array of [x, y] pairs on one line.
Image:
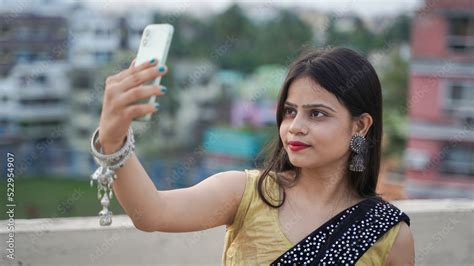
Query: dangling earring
[[359, 147]]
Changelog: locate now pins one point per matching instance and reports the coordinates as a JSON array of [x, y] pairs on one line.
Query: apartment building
[[440, 151]]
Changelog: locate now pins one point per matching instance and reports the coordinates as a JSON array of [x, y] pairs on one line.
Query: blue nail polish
[[164, 89], [161, 69], [152, 61], [157, 106]]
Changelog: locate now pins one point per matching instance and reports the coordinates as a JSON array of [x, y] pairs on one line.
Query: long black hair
[[354, 82]]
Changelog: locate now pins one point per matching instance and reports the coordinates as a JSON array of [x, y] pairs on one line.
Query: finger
[[133, 69], [119, 76], [144, 91], [138, 110], [132, 64], [137, 78]]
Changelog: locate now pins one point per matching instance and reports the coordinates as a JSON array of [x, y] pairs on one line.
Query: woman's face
[[314, 116]]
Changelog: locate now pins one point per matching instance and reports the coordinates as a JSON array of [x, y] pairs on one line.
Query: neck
[[326, 187]]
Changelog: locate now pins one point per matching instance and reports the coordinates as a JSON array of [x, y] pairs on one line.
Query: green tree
[[399, 31], [234, 40], [394, 80], [357, 36], [192, 37], [282, 37]]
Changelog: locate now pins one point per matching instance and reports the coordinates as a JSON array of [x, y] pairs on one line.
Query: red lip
[[296, 145]]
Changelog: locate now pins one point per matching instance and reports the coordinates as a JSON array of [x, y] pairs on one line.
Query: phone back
[[155, 43]]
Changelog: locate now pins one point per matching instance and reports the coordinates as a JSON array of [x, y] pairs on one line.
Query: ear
[[361, 124]]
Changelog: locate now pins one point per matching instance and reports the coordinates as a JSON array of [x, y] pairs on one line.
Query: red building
[[440, 152]]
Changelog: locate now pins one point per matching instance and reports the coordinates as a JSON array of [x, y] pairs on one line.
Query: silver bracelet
[[105, 174], [109, 157]]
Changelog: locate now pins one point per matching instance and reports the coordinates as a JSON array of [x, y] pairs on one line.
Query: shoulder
[[249, 197], [239, 184], [402, 251], [232, 181]]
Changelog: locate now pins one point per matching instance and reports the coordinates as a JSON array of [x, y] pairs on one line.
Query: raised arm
[[212, 202]]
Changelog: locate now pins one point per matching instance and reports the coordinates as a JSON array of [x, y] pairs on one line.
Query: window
[[461, 33], [84, 132], [41, 79], [40, 102], [5, 56], [82, 81], [103, 32], [98, 32], [24, 55], [458, 159], [460, 95], [29, 124], [5, 29], [36, 80]]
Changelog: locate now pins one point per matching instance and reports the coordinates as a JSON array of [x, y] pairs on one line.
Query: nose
[[298, 126]]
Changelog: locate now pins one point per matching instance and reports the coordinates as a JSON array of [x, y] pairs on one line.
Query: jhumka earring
[[359, 147]]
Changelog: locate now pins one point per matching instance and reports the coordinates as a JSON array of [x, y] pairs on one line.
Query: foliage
[[51, 197], [394, 82], [232, 41]]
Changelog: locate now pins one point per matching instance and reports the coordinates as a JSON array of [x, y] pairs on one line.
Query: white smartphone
[[155, 43]]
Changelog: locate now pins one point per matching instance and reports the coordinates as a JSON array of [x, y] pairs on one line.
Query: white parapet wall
[[443, 232]]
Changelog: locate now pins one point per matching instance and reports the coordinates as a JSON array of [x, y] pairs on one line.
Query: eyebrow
[[310, 105]]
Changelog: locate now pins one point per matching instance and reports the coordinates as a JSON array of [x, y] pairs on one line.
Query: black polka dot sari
[[343, 239]]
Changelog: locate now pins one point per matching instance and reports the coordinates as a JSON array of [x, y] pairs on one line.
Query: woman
[[314, 202]]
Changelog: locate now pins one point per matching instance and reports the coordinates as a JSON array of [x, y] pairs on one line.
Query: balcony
[[442, 229], [42, 113]]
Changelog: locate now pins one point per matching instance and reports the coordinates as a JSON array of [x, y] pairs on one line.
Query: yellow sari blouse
[[255, 236]]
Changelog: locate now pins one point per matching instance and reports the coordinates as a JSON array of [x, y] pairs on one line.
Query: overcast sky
[[201, 8]]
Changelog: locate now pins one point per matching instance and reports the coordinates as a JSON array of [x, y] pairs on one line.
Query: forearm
[[133, 187], [134, 190]]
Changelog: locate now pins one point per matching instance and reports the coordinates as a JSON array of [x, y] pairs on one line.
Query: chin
[[305, 161], [302, 163]]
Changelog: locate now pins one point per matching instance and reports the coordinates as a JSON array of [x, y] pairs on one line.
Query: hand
[[122, 90]]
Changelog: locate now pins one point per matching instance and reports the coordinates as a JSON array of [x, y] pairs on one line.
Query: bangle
[[115, 155], [105, 174]]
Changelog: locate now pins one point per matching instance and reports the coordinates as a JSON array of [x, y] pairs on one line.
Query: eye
[[287, 111], [316, 113]]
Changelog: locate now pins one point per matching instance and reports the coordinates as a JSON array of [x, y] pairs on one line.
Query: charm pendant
[[105, 178], [105, 214], [105, 217]]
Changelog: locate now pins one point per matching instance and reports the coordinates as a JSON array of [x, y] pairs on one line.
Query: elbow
[[143, 227], [145, 223]]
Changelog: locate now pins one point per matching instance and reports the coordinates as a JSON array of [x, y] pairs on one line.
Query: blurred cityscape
[[225, 74]]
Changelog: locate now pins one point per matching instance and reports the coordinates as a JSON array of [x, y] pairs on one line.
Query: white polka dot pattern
[[345, 238]]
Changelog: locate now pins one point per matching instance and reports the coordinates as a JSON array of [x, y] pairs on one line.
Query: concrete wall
[[443, 232]]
